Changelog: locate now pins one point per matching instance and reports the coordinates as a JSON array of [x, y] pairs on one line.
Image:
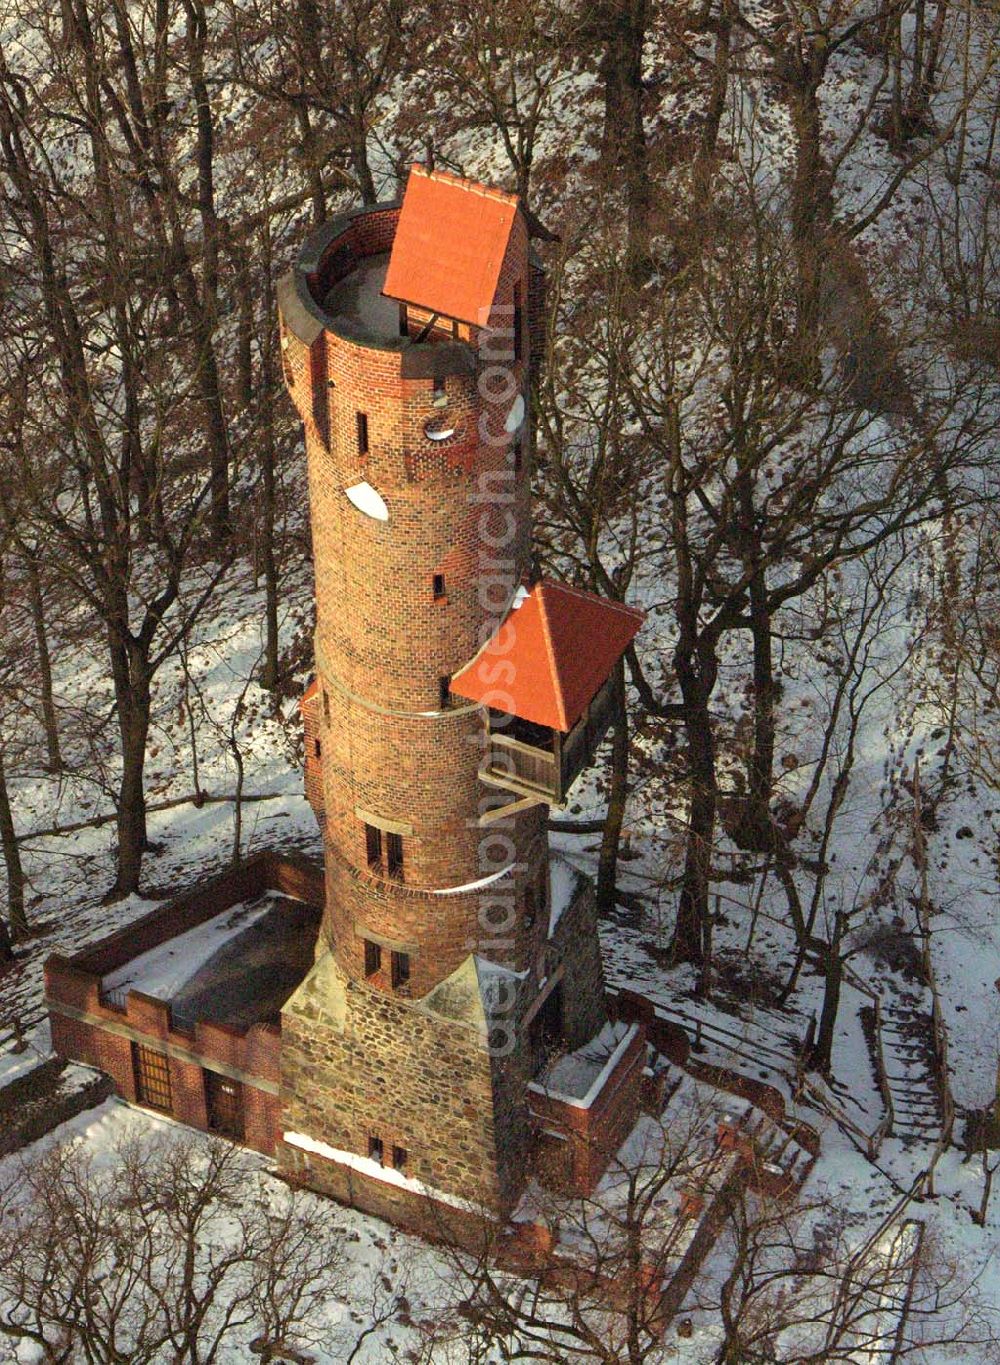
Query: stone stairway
[[780, 1163]]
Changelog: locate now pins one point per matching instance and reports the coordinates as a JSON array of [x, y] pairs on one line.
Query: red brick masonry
[[578, 1138], [88, 1030]]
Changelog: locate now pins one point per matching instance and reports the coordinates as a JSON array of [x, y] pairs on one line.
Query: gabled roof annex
[[449, 245], [559, 646]]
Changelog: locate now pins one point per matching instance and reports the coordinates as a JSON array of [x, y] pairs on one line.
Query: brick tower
[[455, 699]]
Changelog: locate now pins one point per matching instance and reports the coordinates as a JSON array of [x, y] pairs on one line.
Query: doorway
[[545, 1032], [224, 1103]]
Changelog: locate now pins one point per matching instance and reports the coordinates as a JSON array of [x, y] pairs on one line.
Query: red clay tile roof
[[550, 656], [449, 245]]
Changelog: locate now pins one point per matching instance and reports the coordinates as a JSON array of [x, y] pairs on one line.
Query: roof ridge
[[543, 617], [611, 602], [473, 186]]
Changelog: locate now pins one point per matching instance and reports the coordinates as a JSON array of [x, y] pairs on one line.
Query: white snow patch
[[564, 880], [472, 886], [516, 415], [579, 1077], [387, 1174], [163, 970]]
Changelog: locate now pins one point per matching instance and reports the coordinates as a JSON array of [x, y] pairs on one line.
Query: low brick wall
[[671, 1040], [86, 1029], [50, 1094], [267, 871], [582, 1139]]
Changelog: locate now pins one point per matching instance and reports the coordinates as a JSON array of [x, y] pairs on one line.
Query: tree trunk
[[611, 840], [359, 163], [37, 603], [811, 195], [822, 1056], [693, 907], [234, 749], [310, 158], [717, 95], [244, 342], [19, 927], [624, 25], [761, 766], [269, 677], [132, 696]]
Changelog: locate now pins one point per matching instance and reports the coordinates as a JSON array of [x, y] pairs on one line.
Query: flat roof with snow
[[237, 968]]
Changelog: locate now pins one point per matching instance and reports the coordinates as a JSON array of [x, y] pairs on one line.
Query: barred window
[[152, 1078], [400, 969]]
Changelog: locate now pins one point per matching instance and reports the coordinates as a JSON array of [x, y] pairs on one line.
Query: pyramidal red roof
[[558, 646], [449, 245]]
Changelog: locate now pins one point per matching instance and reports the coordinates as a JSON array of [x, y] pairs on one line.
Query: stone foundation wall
[[357, 1064], [577, 948], [431, 1219]]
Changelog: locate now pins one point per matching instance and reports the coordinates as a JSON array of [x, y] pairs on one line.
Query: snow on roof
[[564, 880], [577, 1078], [560, 645], [163, 970], [449, 245]]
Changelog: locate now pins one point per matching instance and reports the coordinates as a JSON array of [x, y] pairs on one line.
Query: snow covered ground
[[871, 872]]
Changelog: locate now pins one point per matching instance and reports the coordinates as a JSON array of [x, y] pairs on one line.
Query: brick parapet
[[286, 873], [595, 1131]]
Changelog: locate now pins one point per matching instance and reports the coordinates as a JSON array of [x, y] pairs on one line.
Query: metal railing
[[114, 997]]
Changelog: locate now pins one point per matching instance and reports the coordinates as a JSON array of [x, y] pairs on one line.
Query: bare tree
[[330, 65], [499, 67], [169, 1248], [773, 475], [804, 1287]]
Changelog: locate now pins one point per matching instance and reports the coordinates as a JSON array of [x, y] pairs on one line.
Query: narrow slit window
[[362, 419], [394, 856], [375, 1149], [444, 691], [438, 586], [399, 1158], [373, 957], [438, 394], [326, 707], [373, 845], [518, 323], [400, 969], [318, 748]]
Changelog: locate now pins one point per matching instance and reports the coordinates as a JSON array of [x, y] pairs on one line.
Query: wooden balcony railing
[[524, 765], [550, 771]]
